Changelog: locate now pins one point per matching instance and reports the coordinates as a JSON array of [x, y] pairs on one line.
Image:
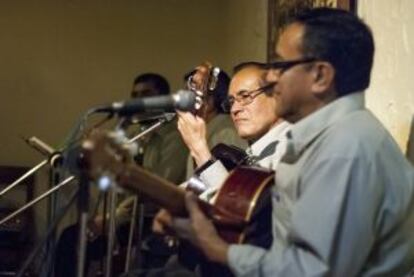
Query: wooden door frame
[[350, 5]]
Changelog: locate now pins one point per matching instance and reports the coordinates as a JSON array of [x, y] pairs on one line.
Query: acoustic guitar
[[242, 201]]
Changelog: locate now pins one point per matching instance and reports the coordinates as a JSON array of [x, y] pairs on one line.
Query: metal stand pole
[[35, 252], [34, 201], [131, 234], [24, 177], [54, 179], [111, 232], [83, 205], [113, 196], [44, 149], [166, 118]]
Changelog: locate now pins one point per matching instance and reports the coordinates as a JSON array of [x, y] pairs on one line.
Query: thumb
[[192, 206]]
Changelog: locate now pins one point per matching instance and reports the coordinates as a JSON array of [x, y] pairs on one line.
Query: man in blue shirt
[[344, 193]]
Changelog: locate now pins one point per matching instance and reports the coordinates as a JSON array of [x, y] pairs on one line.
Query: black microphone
[[183, 100]]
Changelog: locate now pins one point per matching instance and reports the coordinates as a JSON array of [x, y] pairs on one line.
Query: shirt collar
[[306, 130], [274, 134]]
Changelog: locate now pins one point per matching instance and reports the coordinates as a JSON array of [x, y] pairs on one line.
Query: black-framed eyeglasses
[[285, 65], [245, 97]]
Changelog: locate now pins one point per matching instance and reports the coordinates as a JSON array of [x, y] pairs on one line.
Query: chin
[[241, 134], [247, 132], [245, 135]]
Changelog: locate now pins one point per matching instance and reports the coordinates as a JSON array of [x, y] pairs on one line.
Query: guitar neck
[[164, 193], [170, 196]]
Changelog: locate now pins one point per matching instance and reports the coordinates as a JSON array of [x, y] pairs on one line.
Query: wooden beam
[[349, 5]]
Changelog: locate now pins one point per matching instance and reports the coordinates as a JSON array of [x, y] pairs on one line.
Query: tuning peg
[[119, 137]]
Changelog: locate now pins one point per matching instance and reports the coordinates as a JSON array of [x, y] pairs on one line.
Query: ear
[[323, 77]]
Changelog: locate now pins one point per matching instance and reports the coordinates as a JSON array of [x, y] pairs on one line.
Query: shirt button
[[277, 196]]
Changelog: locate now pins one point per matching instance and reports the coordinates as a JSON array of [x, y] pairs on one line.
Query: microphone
[[183, 100]]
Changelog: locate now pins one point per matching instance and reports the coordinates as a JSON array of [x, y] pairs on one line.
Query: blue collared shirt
[[343, 203]]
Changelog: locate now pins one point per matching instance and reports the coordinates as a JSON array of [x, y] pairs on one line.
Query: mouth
[[239, 120]]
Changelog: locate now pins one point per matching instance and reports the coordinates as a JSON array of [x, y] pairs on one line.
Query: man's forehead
[[290, 41], [249, 72], [245, 80], [144, 86], [143, 89]]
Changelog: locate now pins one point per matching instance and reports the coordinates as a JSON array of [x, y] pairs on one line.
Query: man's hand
[[201, 232], [197, 229], [162, 222], [124, 209], [193, 131]]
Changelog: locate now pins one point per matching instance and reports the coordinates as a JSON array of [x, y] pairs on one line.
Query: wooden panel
[[349, 5], [280, 10], [22, 192]]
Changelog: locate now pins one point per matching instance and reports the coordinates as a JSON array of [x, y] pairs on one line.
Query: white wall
[[60, 57], [391, 95], [246, 31]]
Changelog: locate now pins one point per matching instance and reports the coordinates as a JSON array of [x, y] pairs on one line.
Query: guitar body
[[245, 196]]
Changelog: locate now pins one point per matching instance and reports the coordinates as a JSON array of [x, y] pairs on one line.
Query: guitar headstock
[[106, 155], [203, 81]]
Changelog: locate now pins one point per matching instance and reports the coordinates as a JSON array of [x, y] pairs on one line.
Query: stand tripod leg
[[131, 234], [83, 221], [111, 232], [52, 227], [34, 201]]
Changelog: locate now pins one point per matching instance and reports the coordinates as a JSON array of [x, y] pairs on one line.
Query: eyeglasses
[[285, 65], [244, 98]]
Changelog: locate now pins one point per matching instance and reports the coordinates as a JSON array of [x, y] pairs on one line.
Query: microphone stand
[[83, 208], [34, 201], [166, 117], [111, 232], [131, 234], [54, 159], [54, 156], [83, 189], [24, 177], [55, 164], [40, 244], [44, 149]]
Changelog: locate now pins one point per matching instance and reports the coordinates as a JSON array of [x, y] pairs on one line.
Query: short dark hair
[[243, 65], [158, 81], [342, 39], [220, 92]]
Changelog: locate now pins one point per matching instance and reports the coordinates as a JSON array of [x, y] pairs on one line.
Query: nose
[[235, 108]]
